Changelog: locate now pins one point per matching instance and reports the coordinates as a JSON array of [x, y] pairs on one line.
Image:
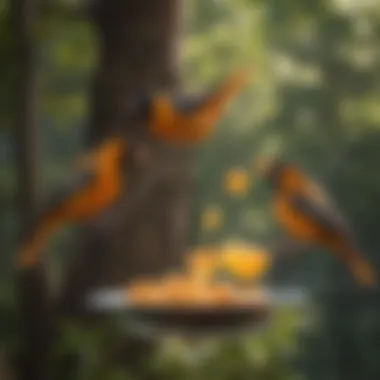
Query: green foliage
[[314, 97], [68, 59], [266, 354], [80, 354]]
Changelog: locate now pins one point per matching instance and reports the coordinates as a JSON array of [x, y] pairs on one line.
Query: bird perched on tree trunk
[[189, 119], [98, 179], [309, 215], [95, 185]]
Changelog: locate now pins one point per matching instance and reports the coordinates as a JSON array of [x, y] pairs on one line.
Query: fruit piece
[[202, 262], [245, 262]]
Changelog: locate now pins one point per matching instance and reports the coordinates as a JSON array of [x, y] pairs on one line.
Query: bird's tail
[[361, 269], [31, 249], [210, 111]]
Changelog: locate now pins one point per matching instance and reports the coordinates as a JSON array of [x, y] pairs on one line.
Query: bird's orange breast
[[94, 198], [296, 224]]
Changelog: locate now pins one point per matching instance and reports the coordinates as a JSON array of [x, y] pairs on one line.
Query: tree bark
[[32, 286], [138, 54], [24, 17]]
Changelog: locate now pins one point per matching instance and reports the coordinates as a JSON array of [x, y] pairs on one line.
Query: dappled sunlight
[[211, 218], [236, 182]]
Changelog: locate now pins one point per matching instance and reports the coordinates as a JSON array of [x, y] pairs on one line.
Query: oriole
[[190, 119], [96, 184], [309, 215]]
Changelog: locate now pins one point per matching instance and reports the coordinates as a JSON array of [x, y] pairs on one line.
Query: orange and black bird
[[95, 185], [190, 119], [98, 180], [310, 216]]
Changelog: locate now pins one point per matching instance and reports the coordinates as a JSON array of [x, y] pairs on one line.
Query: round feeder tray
[[189, 320], [201, 320]]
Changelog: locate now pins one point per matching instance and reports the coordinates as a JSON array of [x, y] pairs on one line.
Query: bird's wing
[[316, 204], [79, 180], [189, 103]]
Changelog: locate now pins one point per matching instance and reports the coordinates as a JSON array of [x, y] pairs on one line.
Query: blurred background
[[314, 98]]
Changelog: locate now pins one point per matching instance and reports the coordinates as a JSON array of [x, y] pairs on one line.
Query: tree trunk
[[32, 286], [24, 18], [138, 54]]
